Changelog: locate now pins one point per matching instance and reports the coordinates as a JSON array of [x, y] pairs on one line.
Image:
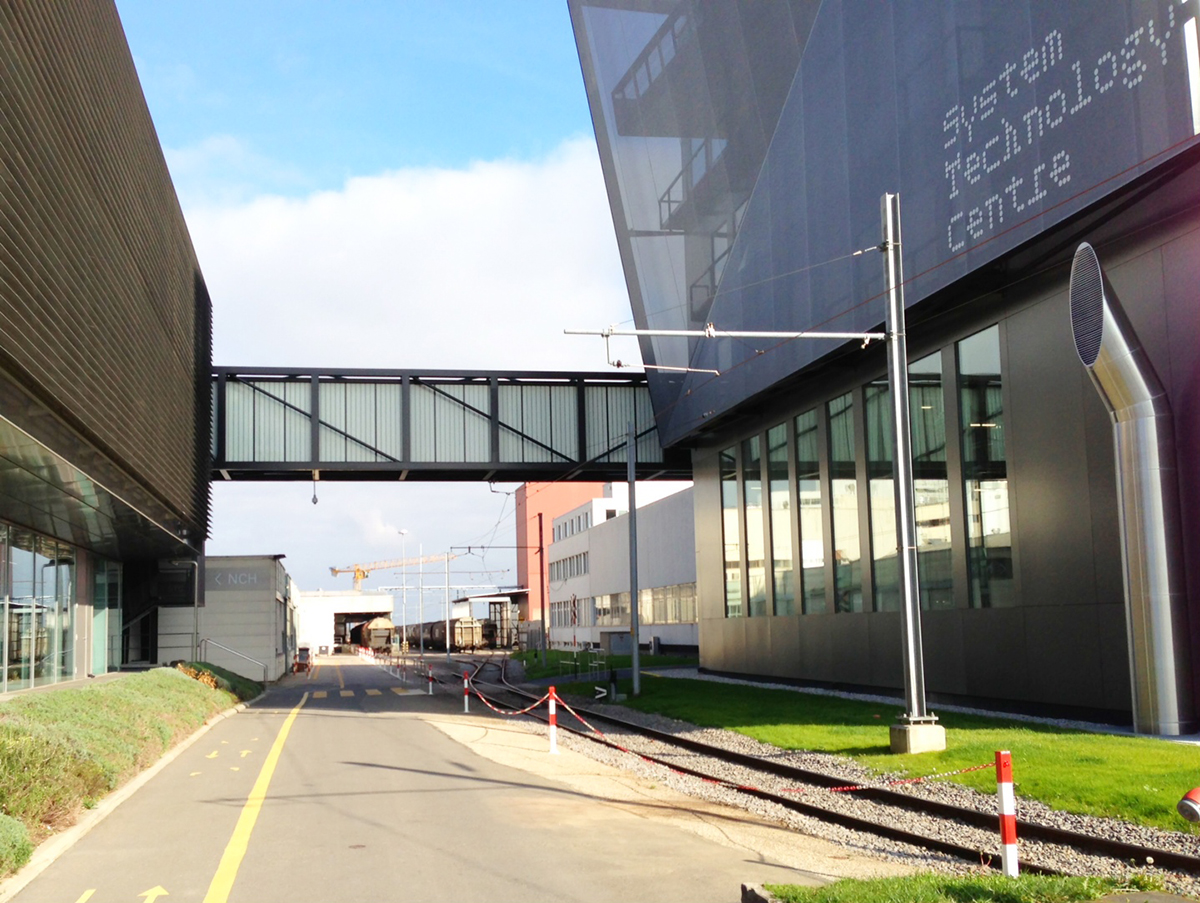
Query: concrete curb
[[53, 847]]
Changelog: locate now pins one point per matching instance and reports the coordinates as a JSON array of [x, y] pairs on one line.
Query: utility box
[[616, 642]]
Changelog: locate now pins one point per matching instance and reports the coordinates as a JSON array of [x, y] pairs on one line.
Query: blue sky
[[381, 184], [320, 91]]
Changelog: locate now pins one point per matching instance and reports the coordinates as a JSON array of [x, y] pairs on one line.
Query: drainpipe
[[1148, 498]]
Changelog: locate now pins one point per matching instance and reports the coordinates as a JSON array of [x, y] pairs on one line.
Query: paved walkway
[[342, 786]]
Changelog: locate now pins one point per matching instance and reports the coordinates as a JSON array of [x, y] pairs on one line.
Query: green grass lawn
[[558, 662], [958, 889], [62, 750], [1134, 778]]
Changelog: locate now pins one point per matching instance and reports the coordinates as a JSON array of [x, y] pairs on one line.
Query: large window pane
[[812, 530], [731, 534], [985, 471], [781, 520], [930, 483], [881, 485], [21, 608], [756, 547], [847, 564]]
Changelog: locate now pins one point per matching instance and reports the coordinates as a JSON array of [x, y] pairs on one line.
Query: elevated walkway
[[504, 426]]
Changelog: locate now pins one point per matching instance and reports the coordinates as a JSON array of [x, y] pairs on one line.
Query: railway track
[[889, 809]]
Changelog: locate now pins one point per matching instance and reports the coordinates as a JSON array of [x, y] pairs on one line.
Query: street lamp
[[403, 587]]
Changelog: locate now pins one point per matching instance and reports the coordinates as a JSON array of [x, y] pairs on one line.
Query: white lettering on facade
[[1007, 108]]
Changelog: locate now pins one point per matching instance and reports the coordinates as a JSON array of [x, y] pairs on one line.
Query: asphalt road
[[341, 787]]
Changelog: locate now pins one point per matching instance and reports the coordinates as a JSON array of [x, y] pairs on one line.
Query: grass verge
[[1137, 779], [63, 750], [955, 889], [558, 662]]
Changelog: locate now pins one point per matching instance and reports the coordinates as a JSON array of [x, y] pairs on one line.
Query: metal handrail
[[233, 652]]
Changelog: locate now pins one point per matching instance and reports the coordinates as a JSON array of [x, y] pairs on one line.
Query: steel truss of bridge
[[273, 423]]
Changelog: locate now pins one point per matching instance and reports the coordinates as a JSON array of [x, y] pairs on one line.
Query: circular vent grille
[[1087, 304]]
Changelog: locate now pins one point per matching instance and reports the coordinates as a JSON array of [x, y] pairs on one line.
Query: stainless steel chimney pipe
[[1148, 496]]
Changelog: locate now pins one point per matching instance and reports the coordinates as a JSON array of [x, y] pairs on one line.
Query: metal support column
[[631, 462]]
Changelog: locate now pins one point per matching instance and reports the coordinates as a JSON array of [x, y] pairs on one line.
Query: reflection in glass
[[931, 485], [812, 531], [756, 547], [985, 472], [730, 532], [21, 606], [843, 484], [881, 486], [781, 520]]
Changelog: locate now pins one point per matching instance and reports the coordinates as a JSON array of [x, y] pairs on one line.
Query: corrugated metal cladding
[[538, 423], [451, 423], [610, 409], [361, 421], [106, 321]]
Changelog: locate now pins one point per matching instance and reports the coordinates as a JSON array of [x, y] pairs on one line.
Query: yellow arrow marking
[[374, 692], [212, 755], [193, 774], [225, 742], [320, 694], [87, 895], [154, 893], [235, 850], [234, 768], [347, 692], [245, 752]]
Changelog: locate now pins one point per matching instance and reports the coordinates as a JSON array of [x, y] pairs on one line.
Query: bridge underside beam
[[274, 424]]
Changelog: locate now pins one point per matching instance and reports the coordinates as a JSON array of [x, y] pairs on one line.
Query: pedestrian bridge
[[288, 424]]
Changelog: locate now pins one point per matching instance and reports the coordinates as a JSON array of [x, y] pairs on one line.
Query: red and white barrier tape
[[523, 711], [850, 788]]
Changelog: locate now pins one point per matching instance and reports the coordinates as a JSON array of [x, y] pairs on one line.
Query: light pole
[[403, 588]]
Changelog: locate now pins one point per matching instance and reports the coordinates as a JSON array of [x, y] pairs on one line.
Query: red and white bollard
[[1189, 806], [466, 693], [553, 724], [430, 667], [1008, 813]]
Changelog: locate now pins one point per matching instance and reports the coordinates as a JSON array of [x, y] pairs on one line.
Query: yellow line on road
[[320, 694], [374, 692], [235, 850], [347, 692], [87, 895]]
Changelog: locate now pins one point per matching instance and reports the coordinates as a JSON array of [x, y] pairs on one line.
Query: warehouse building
[[746, 149], [105, 357]]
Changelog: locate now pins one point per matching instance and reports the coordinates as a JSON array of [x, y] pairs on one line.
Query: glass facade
[[831, 524], [985, 471], [756, 547], [37, 645], [730, 520], [779, 485], [812, 527], [843, 493]]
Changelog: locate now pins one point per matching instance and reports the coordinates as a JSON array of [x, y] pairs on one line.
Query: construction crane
[[362, 571]]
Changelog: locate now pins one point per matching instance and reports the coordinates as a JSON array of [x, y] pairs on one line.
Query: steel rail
[[1026, 830]]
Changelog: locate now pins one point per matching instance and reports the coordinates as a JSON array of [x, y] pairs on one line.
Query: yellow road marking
[[87, 895], [235, 851], [224, 742], [374, 692], [245, 752], [347, 692], [193, 774], [212, 755], [341, 680], [399, 691], [320, 694], [234, 768]]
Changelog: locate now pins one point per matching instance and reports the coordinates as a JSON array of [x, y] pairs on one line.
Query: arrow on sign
[[601, 692], [154, 893]]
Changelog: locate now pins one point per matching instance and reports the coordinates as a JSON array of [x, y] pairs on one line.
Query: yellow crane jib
[[363, 571]]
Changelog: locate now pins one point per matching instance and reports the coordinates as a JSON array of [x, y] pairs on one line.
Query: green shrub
[[15, 846], [61, 750]]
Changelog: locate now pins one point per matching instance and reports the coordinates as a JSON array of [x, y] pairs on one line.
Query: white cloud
[[475, 269], [223, 172], [479, 268]]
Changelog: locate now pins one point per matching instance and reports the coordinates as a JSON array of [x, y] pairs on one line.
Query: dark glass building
[[105, 355], [746, 147]]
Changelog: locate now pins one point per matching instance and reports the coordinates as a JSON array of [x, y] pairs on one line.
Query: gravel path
[[1044, 854]]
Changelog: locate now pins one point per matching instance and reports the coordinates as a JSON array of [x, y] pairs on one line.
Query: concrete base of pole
[[918, 738]]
